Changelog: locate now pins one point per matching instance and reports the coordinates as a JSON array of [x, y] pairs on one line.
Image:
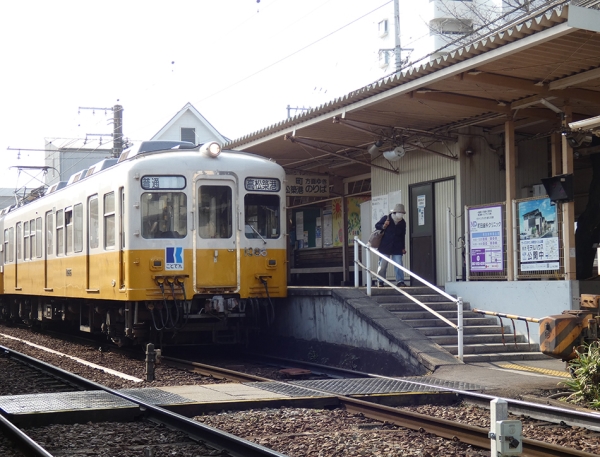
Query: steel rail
[[235, 446], [22, 441], [214, 371], [469, 434]]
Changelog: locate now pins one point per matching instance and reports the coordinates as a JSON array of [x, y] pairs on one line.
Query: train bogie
[[184, 244]]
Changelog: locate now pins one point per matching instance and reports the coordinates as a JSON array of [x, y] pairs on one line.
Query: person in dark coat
[[393, 242]]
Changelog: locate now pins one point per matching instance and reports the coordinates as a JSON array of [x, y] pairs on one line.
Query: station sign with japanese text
[[307, 186]]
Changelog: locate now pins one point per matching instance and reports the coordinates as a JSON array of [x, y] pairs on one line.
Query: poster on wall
[[486, 239], [538, 236], [354, 228], [318, 234], [327, 229], [421, 203], [300, 229], [379, 208]]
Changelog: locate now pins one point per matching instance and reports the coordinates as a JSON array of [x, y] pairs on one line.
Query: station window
[[93, 222], [215, 215], [49, 233], [60, 233], [109, 221], [164, 215], [261, 216], [78, 227]]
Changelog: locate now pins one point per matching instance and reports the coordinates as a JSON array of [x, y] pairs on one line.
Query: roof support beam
[[313, 144]]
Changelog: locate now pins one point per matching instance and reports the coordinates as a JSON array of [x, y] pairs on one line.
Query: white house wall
[[188, 120]]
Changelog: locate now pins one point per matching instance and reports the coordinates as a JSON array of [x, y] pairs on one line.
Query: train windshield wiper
[[256, 231]]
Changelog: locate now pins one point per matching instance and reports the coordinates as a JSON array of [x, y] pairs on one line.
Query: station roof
[[528, 71]]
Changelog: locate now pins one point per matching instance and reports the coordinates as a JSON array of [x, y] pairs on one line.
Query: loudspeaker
[[559, 188]]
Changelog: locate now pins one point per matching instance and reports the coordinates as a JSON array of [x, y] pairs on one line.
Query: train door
[[121, 237], [49, 244], [215, 234], [93, 244]]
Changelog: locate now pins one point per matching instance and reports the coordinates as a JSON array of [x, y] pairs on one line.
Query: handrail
[[512, 318], [458, 301]]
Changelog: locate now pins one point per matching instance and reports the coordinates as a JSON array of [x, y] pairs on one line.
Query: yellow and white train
[[172, 243]]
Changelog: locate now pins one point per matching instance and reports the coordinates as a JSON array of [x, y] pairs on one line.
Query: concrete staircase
[[482, 339]]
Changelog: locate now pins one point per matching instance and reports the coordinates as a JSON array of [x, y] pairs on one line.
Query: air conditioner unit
[[383, 28]]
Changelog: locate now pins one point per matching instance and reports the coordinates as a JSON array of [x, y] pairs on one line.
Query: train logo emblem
[[174, 256]]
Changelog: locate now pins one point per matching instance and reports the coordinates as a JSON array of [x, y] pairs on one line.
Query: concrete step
[[471, 330], [435, 322], [390, 291], [399, 298], [503, 357], [436, 306], [478, 338], [493, 348], [448, 314]]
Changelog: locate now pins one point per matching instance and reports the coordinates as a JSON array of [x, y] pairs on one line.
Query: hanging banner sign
[[485, 228], [307, 186]]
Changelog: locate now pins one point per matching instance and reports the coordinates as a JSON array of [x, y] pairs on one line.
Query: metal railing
[[512, 318], [370, 274]]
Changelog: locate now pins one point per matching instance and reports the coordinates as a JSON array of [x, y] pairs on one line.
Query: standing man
[[393, 242]]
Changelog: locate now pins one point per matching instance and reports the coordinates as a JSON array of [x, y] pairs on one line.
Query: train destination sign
[[263, 184], [163, 182]]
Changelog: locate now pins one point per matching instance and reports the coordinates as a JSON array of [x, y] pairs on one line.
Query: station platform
[[488, 378]]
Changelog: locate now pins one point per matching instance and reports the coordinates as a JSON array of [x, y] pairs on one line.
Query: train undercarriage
[[210, 320]]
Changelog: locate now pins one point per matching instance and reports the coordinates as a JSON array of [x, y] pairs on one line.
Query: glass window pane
[[69, 231], [261, 214], [26, 239], [215, 216], [19, 241], [49, 233], [60, 236], [78, 227], [38, 237], [93, 223], [164, 215], [109, 220]]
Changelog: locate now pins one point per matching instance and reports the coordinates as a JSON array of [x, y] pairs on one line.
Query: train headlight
[[212, 148]]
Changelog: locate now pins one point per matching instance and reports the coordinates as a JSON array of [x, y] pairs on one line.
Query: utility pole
[[397, 48], [117, 127]]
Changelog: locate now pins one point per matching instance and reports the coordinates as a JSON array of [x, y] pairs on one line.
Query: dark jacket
[[393, 241]]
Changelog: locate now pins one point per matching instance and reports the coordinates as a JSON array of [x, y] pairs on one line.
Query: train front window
[[261, 216], [215, 213], [164, 215]]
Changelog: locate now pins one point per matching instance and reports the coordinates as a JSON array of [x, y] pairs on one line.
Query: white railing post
[[369, 278], [356, 260], [459, 304]]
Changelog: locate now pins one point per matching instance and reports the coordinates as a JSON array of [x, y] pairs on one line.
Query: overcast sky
[[239, 62]]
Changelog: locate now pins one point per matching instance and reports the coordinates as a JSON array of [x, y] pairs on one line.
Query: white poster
[[327, 228], [318, 234], [379, 208], [486, 239], [300, 229]]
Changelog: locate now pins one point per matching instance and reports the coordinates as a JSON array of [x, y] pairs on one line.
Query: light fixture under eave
[[374, 148], [395, 154]]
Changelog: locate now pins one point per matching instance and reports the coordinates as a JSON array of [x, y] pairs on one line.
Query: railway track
[[449, 430]]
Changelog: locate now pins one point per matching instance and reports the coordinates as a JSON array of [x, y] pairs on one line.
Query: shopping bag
[[375, 238]]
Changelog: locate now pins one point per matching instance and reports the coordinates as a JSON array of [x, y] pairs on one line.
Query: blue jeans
[[382, 268]]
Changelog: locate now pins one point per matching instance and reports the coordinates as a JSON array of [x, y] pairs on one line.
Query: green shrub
[[585, 383]]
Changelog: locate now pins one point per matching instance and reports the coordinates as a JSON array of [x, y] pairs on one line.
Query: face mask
[[397, 217]]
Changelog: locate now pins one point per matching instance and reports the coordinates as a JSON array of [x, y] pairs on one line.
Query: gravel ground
[[294, 432]]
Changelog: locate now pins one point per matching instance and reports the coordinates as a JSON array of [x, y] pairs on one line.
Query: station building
[[493, 148]]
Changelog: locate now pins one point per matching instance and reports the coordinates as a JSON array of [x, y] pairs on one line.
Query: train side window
[[19, 241], [11, 245], [49, 233], [6, 245], [32, 243], [164, 215], [26, 240], [215, 215], [93, 222], [60, 232], [69, 230], [38, 237], [261, 216], [78, 227], [109, 221]]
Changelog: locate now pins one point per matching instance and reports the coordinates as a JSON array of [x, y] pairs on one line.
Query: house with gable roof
[[189, 125]]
